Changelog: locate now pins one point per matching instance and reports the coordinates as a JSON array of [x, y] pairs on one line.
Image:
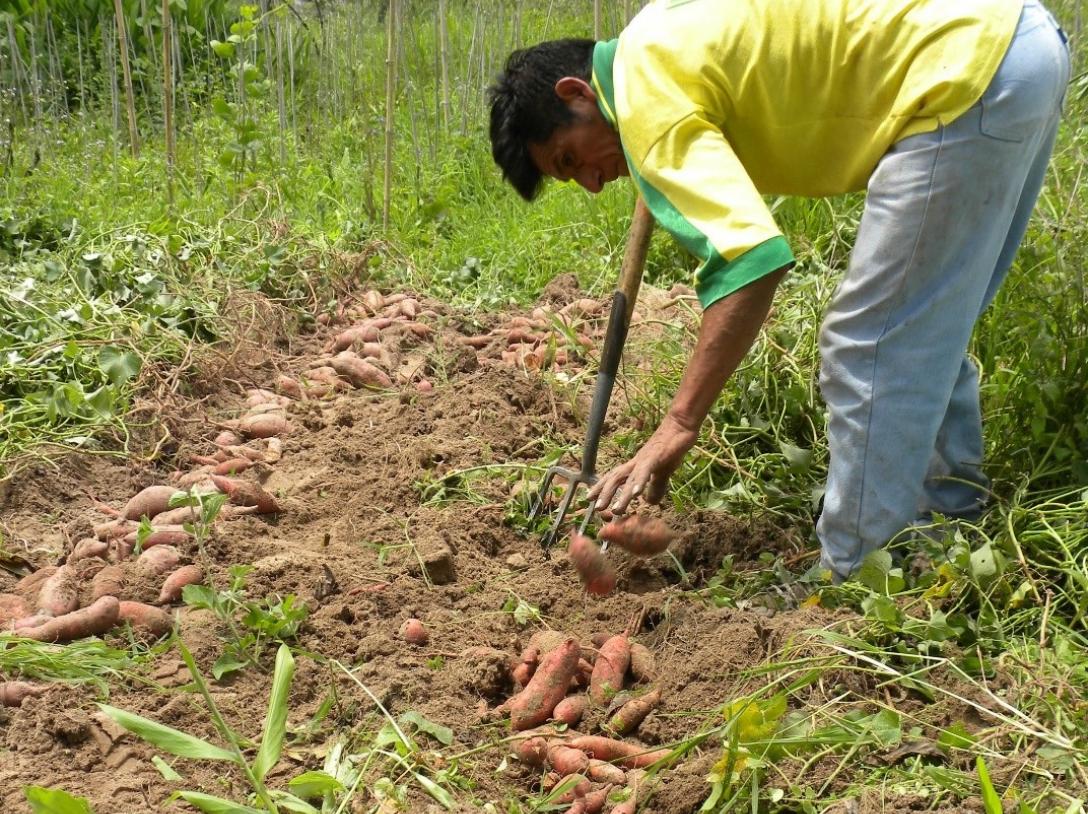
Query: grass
[[112, 288]]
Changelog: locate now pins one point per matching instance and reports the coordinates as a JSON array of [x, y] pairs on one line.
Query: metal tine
[[545, 488]]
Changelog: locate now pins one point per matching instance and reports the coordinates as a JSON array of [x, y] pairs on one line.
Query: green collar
[[604, 54]]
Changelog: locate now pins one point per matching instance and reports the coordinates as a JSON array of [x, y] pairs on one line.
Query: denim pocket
[[998, 118]]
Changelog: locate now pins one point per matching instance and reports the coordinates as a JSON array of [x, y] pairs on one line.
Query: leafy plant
[[253, 624], [55, 801]]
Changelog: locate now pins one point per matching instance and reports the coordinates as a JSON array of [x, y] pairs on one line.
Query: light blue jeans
[[944, 215]]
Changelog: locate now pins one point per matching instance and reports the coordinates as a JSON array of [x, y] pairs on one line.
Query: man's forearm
[[729, 328]]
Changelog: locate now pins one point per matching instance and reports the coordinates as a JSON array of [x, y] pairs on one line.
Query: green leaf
[[444, 798], [275, 722], [227, 664], [214, 805], [799, 459], [886, 727], [292, 803], [315, 784], [984, 565], [55, 801], [167, 738], [874, 570], [222, 109], [118, 365], [223, 49], [990, 799], [442, 734], [956, 737], [165, 769]]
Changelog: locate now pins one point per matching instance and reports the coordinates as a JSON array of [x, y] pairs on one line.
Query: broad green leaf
[[990, 799], [799, 459], [442, 734], [290, 802], [873, 573], [314, 784], [223, 49], [275, 722], [199, 596], [214, 805], [55, 801], [886, 727], [227, 664], [167, 738]]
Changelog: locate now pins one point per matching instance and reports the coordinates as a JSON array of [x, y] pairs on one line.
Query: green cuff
[[719, 278]]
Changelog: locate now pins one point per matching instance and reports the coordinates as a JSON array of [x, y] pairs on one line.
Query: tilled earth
[[395, 502]]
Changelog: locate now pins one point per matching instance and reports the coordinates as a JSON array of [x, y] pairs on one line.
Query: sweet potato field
[[282, 367]]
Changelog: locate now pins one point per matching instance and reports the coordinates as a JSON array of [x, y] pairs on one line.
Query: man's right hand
[[647, 474]]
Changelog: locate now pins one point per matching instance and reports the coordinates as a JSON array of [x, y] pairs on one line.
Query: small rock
[[438, 564], [517, 562]]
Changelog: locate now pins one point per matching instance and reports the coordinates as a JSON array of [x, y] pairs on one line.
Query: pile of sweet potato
[[569, 690]]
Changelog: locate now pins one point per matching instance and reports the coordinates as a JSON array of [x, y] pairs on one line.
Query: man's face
[[587, 150]]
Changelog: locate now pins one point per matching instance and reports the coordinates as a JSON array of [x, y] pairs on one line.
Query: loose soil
[[396, 504]]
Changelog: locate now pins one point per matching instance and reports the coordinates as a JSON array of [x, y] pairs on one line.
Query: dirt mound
[[396, 503]]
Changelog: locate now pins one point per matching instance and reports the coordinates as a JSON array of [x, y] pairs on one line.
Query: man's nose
[[590, 179]]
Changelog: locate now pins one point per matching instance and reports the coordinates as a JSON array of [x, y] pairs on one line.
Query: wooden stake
[[130, 104], [596, 19], [390, 91], [168, 99], [443, 47]]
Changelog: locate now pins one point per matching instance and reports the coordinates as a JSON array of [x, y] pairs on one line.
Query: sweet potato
[[114, 528], [244, 493], [582, 676], [94, 620], [358, 371], [420, 330], [31, 585], [476, 342], [120, 550], [643, 536], [161, 559], [260, 426], [643, 665], [88, 547], [264, 409], [592, 566], [258, 395], [193, 479], [356, 334], [160, 535], [232, 466], [409, 308], [60, 593], [110, 581], [149, 502], [525, 668], [631, 714], [13, 693], [532, 751], [630, 804], [146, 618], [178, 579], [609, 669], [226, 438], [288, 386], [12, 607], [424, 386], [576, 786], [604, 772], [570, 710], [593, 802], [533, 705], [413, 632], [615, 751], [247, 452], [30, 621], [373, 300]]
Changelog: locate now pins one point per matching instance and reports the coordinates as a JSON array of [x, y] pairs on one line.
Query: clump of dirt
[[395, 504]]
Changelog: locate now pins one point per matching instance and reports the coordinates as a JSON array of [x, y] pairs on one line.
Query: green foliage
[[252, 624], [55, 801]]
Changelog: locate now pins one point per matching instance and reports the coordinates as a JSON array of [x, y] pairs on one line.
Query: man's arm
[[729, 328]]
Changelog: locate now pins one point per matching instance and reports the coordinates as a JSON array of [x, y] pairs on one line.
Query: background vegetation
[[246, 151]]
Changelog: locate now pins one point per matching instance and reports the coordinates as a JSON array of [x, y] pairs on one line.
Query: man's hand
[[649, 471]]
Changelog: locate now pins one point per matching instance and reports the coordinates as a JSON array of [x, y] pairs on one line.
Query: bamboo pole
[[168, 100], [130, 104], [444, 53], [390, 90], [596, 19]]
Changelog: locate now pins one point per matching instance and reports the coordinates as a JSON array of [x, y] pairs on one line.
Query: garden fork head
[[574, 480]]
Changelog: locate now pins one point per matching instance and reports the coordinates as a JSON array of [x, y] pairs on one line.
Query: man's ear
[[570, 88]]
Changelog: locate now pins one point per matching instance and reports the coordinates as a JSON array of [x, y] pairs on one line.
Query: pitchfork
[[619, 320]]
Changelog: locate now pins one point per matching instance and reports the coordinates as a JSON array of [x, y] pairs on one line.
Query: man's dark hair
[[525, 107]]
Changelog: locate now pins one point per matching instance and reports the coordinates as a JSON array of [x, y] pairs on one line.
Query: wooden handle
[[634, 255]]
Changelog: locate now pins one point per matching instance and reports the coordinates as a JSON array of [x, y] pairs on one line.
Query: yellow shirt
[[720, 101]]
